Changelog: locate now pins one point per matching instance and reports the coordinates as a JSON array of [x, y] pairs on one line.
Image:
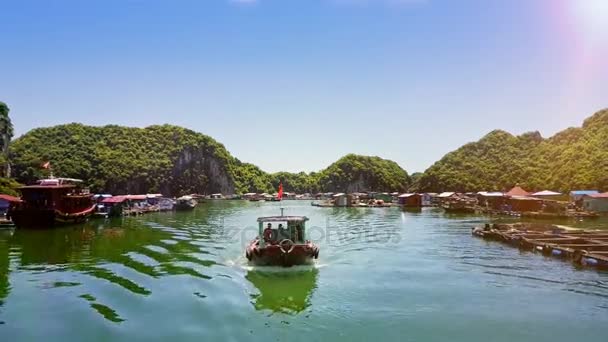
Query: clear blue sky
[[294, 85]]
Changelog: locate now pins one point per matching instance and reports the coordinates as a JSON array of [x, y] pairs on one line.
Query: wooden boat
[[283, 244], [51, 202], [185, 203]]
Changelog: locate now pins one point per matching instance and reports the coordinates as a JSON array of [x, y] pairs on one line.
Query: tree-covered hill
[[174, 160], [166, 158], [350, 173], [576, 158], [353, 173]]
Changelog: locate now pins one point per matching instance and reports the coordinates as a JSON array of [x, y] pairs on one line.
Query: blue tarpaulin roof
[[584, 192]]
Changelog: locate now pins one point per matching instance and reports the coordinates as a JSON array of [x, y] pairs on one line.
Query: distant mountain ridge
[[175, 160]]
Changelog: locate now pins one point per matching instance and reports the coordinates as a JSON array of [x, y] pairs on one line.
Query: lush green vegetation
[[9, 186], [6, 134], [166, 158], [576, 158], [175, 160], [350, 173], [361, 173]]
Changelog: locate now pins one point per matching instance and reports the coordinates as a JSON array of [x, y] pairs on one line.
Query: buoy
[[589, 261]]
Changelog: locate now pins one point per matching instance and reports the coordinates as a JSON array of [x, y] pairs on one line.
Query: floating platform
[[570, 214], [581, 247]]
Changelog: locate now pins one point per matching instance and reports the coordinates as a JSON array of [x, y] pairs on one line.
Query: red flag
[[280, 190], [46, 165]]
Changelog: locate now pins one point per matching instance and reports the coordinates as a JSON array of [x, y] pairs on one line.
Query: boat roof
[[60, 186], [283, 219]]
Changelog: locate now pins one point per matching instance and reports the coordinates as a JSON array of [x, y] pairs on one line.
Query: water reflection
[[4, 267], [101, 248], [283, 291]]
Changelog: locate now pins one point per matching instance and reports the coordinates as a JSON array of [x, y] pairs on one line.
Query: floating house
[[446, 196], [491, 199], [249, 196], [114, 206], [523, 203], [340, 200], [5, 202], [427, 198], [384, 196], [289, 195], [517, 191], [548, 194], [577, 195], [596, 202], [216, 196], [410, 200]]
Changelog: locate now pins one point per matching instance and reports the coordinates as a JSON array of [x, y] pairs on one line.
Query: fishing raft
[[582, 247]]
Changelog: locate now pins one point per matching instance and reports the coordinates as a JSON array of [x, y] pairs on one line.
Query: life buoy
[[287, 246]]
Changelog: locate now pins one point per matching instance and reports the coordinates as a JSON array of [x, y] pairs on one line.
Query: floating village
[[63, 200], [59, 201]]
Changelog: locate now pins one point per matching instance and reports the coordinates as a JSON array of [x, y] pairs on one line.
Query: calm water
[[382, 274]]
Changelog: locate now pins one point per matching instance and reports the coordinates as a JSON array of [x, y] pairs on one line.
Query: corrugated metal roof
[[546, 193], [602, 195], [584, 192], [10, 198], [490, 194], [115, 199], [407, 195], [446, 194]]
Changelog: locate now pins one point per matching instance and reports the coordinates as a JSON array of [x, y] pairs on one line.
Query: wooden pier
[[582, 247]]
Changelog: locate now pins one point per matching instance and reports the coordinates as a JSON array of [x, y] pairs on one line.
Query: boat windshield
[[276, 231]]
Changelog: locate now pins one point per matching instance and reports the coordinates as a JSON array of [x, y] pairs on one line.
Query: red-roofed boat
[[281, 245], [51, 202]]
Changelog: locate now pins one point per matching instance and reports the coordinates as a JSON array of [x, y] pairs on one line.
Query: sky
[[293, 85]]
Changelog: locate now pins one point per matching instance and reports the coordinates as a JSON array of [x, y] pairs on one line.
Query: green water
[[383, 274]]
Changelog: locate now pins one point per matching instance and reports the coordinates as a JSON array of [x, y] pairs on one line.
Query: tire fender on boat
[[283, 243]]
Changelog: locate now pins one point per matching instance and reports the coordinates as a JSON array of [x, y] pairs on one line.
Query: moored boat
[[51, 202], [185, 203], [284, 244]]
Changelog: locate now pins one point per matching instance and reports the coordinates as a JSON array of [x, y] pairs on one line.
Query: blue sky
[[295, 84]]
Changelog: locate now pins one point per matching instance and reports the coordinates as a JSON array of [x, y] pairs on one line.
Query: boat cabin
[[56, 193], [274, 229]]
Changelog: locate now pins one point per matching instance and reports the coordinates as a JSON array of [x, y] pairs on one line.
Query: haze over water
[[383, 274]]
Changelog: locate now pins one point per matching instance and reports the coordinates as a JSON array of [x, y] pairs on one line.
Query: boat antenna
[[282, 211]]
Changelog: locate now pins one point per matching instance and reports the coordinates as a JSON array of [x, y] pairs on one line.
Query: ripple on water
[[420, 275]]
